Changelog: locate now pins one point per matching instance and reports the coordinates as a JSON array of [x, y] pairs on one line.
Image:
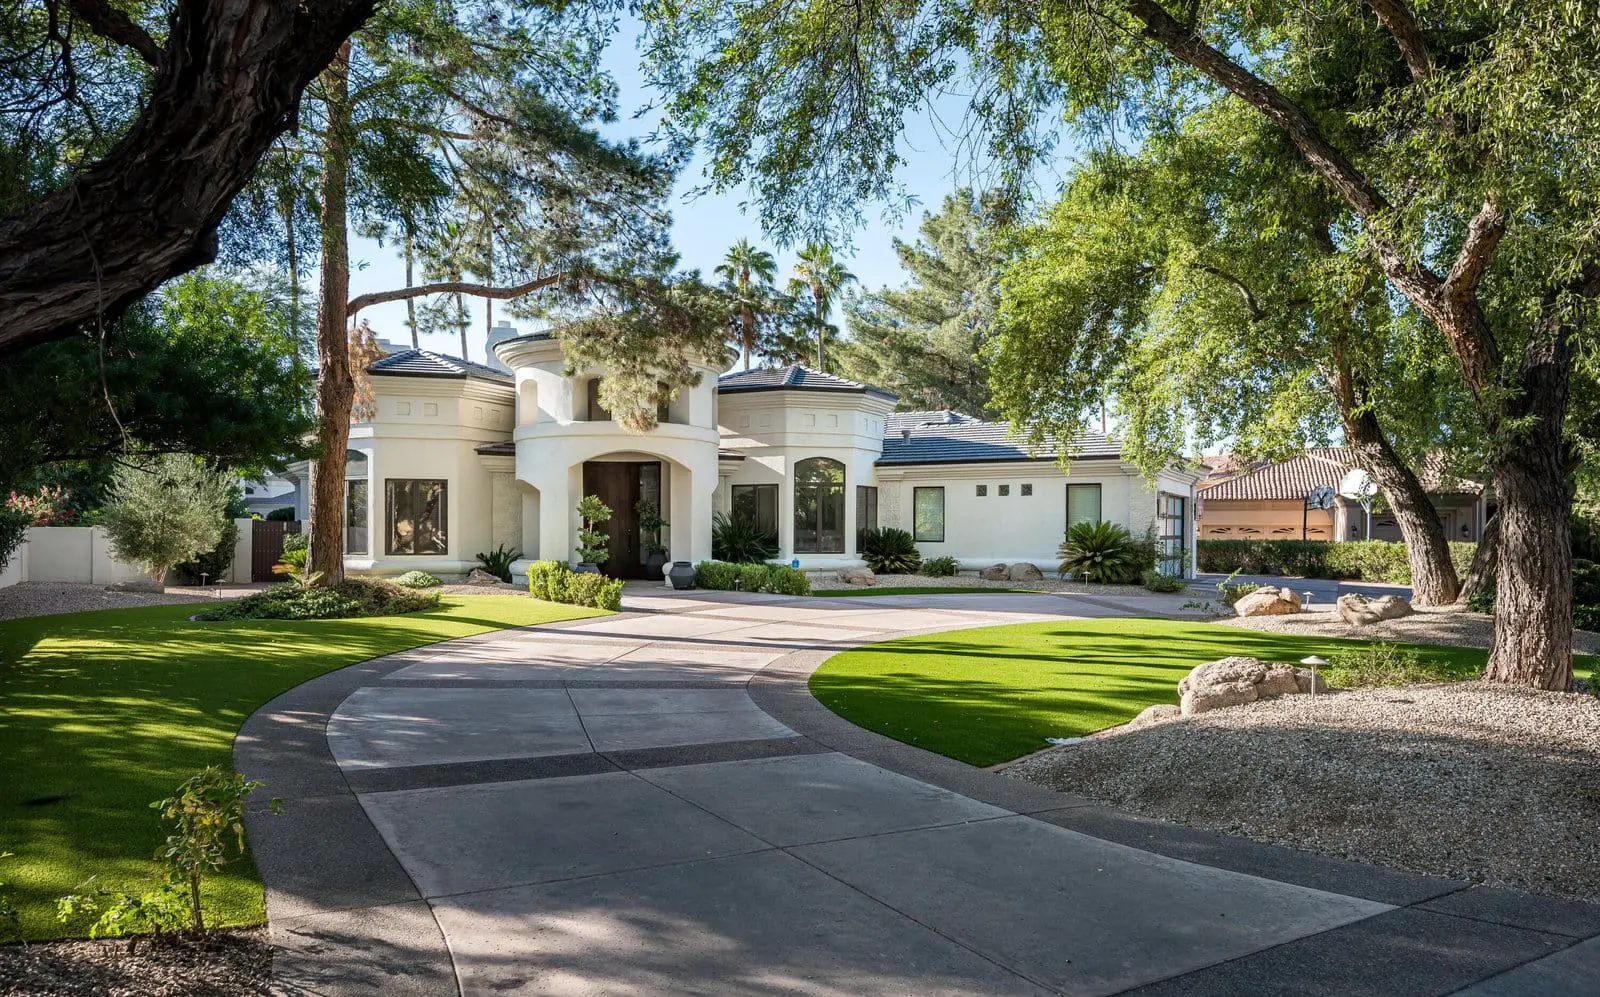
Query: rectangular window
[[866, 509], [597, 412], [415, 516], [757, 502], [819, 506], [355, 516], [927, 510], [1171, 515], [1005, 490], [1083, 504]]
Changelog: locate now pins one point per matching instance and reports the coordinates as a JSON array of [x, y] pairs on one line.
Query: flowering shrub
[[51, 507]]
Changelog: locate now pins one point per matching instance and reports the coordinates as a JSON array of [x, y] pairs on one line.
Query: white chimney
[[501, 332]]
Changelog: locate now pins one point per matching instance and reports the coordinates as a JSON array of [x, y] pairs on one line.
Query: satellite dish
[[1321, 497]]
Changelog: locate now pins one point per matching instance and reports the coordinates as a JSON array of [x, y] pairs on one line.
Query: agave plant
[[741, 540], [890, 551], [1105, 552]]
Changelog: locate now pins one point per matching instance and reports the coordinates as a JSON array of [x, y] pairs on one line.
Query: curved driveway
[[653, 804]]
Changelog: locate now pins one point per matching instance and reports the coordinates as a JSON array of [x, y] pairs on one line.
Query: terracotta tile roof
[[1232, 479]]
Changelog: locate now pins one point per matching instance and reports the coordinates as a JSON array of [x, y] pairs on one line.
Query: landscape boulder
[[1022, 571], [857, 576], [1268, 601], [478, 576], [1359, 611], [995, 573], [1236, 680]]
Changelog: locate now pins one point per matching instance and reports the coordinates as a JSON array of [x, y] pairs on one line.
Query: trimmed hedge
[[553, 581], [779, 579], [1358, 560]]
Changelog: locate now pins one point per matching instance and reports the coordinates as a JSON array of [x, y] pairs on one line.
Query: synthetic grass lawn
[[992, 694], [102, 713], [921, 590]]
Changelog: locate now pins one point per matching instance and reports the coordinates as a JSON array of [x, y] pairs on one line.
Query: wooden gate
[[266, 547]]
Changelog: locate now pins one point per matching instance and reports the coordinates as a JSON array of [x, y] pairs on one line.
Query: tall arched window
[[819, 506]]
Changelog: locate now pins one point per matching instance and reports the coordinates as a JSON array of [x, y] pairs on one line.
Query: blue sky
[[704, 227]]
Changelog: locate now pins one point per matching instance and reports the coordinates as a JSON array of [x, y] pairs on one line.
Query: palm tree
[[742, 268], [818, 272]]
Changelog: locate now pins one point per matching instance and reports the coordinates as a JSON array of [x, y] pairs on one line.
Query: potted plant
[[650, 526], [593, 542]]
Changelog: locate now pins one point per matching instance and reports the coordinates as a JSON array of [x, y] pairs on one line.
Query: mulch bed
[[227, 964]]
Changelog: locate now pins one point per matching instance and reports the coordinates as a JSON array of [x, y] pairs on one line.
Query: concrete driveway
[[652, 804]]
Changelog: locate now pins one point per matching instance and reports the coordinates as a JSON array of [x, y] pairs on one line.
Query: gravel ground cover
[[1430, 625], [48, 598], [228, 964], [1466, 780]]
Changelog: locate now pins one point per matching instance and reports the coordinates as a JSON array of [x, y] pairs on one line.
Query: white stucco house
[[462, 457]]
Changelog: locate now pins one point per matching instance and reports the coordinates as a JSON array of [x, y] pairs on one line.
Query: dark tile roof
[[426, 363], [794, 378], [502, 448], [936, 438], [1232, 479]]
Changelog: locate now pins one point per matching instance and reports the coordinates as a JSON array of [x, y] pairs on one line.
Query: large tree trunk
[[335, 386], [1433, 575], [1533, 584], [1485, 561], [226, 85]]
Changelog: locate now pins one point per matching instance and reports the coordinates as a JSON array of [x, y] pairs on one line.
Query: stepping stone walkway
[[652, 804]]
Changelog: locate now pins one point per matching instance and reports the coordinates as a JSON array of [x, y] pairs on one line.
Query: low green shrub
[[1358, 560], [416, 579], [355, 596], [1104, 551], [296, 541], [1155, 581], [1382, 664], [553, 581], [940, 567], [889, 551], [779, 579], [283, 515]]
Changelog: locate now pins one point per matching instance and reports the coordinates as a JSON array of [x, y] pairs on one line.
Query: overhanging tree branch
[[1396, 17], [108, 22], [450, 287]]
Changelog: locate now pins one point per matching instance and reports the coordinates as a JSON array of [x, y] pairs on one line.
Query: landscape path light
[[1313, 662]]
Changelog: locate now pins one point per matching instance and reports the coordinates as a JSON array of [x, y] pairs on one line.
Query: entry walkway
[[652, 804]]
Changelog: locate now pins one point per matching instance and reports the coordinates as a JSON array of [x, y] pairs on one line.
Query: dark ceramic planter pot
[[654, 567], [682, 575], [585, 568]]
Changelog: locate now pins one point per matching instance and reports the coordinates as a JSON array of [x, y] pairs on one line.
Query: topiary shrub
[[890, 551], [778, 579], [739, 539], [417, 579], [940, 567], [1104, 551]]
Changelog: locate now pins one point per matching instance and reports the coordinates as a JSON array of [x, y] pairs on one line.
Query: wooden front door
[[616, 483]]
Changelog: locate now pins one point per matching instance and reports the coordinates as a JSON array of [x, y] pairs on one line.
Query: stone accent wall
[[505, 509]]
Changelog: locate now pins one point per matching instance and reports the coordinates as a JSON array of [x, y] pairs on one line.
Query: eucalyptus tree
[[926, 340], [818, 273], [1456, 137], [747, 273]]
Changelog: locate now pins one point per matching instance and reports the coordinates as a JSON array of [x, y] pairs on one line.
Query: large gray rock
[[1237, 680], [995, 573], [1268, 601], [478, 576], [1359, 611], [857, 576], [1022, 571]]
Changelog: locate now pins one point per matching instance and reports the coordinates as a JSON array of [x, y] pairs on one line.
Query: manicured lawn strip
[[989, 695], [923, 590], [102, 713]]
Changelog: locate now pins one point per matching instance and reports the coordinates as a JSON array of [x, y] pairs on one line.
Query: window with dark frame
[[1005, 490], [819, 506], [927, 514], [866, 509], [1027, 489], [355, 516], [415, 516], [1083, 504], [758, 503], [983, 491]]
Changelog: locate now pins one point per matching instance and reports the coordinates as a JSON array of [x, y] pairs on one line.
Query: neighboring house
[[1266, 500], [263, 495], [461, 457]]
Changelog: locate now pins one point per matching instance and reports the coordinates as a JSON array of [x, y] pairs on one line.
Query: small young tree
[[593, 542], [166, 512]]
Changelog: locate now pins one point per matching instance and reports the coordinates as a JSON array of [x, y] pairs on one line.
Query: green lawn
[[989, 695], [101, 713], [920, 590]]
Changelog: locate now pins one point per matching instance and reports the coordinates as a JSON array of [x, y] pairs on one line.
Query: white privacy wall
[[82, 555]]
